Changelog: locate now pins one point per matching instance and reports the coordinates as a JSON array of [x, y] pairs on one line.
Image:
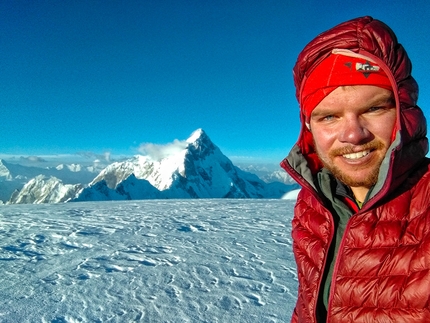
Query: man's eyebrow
[[391, 99], [381, 100], [388, 99]]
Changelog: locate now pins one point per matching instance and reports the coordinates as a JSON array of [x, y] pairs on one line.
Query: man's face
[[352, 129]]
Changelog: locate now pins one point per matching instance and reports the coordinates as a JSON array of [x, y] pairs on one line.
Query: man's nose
[[354, 131]]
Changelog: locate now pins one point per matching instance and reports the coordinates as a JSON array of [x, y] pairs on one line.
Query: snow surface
[[207, 260]]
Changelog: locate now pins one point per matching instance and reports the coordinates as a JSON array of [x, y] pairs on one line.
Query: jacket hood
[[374, 39]]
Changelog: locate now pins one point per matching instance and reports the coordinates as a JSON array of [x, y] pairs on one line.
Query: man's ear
[[308, 126]]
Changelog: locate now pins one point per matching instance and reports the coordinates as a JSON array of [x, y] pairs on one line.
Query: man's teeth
[[357, 155]]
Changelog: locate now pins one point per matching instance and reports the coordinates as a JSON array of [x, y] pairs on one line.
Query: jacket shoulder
[[417, 188]]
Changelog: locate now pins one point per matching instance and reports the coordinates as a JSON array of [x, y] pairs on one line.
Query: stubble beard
[[370, 179]]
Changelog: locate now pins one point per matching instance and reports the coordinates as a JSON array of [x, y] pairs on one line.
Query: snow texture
[[207, 260]]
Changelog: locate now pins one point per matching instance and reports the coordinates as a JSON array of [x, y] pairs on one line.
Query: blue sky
[[107, 76]]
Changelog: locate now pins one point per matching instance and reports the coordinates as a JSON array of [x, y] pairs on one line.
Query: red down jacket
[[382, 268]]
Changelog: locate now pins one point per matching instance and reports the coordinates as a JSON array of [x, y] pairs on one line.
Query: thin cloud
[[32, 159], [158, 152], [106, 156]]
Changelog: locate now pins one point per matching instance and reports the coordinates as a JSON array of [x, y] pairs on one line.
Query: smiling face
[[352, 129]]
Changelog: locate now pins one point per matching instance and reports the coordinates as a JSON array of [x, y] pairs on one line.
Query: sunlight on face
[[352, 129]]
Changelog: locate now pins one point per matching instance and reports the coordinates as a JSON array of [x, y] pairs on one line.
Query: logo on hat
[[366, 68]]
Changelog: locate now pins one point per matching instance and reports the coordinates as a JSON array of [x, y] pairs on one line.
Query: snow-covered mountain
[[44, 189], [197, 170], [129, 189], [14, 176], [200, 170]]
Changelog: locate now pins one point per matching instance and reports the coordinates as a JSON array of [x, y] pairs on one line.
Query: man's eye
[[382, 108], [373, 109], [328, 117]]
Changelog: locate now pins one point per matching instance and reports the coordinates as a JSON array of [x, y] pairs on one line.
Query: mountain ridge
[[197, 169]]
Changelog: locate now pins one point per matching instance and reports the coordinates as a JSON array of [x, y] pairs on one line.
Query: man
[[361, 227]]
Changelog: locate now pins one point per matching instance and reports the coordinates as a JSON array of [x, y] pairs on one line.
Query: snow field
[[211, 260]]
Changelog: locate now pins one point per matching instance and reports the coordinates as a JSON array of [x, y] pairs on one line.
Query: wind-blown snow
[[214, 260]]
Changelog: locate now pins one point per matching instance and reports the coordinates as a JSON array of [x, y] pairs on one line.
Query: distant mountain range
[[200, 170], [14, 176]]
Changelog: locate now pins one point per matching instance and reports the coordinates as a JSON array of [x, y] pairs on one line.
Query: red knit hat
[[341, 68]]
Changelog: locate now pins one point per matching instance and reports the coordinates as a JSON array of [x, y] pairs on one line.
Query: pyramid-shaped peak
[[198, 135], [200, 144]]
